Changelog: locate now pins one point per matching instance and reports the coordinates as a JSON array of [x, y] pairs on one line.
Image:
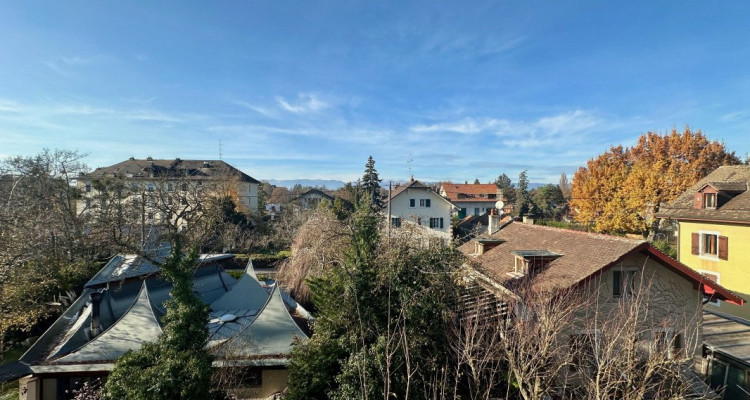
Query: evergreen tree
[[177, 366], [505, 185], [371, 184], [523, 199], [476, 181]]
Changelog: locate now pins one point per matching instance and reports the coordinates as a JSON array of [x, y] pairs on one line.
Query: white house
[[420, 204]]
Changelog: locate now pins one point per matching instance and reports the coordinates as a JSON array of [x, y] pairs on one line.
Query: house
[[713, 218], [418, 203], [471, 199], [160, 187], [606, 270], [311, 198], [252, 327]]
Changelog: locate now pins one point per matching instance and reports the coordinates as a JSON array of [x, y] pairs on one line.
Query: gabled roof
[[177, 168], [731, 179], [470, 192], [416, 185], [318, 192], [139, 325], [584, 255]]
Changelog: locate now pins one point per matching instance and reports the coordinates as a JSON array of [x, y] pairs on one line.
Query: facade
[[311, 198], [250, 326], [165, 188], [713, 219], [607, 270], [471, 199], [418, 203]]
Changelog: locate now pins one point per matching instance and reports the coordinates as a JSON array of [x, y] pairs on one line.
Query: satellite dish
[[227, 318], [499, 204]]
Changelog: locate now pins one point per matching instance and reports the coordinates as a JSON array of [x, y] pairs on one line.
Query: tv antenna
[[219, 149], [408, 162]]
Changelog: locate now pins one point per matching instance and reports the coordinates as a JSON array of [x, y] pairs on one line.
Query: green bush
[[665, 248]]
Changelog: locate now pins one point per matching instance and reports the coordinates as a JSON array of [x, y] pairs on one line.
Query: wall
[[733, 272], [439, 208], [273, 381]]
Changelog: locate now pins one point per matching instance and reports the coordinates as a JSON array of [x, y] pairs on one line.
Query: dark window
[[436, 223], [396, 221], [427, 202], [622, 283], [184, 187], [710, 244], [421, 202], [412, 202], [491, 196], [88, 187], [170, 187]]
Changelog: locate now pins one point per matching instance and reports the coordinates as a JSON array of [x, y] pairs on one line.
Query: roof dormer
[[530, 262], [715, 194], [483, 245]]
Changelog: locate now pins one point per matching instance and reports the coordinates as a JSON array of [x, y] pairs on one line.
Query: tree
[[177, 366], [381, 318], [622, 189], [550, 201], [564, 186], [523, 199], [371, 184], [476, 181], [504, 183]]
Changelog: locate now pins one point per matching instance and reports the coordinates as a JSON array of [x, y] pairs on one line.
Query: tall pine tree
[[522, 195], [371, 184]]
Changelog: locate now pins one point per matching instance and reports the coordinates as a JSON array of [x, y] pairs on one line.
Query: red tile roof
[[584, 255], [470, 192]]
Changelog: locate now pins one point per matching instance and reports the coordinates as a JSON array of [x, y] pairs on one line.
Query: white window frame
[[707, 256], [718, 281]]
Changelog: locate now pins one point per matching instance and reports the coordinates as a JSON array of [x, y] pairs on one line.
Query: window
[[665, 340], [412, 203], [711, 245], [709, 293], [436, 223], [170, 187], [150, 216], [623, 283], [424, 202], [151, 187], [476, 211], [709, 200], [184, 187], [492, 196], [88, 187], [396, 221]]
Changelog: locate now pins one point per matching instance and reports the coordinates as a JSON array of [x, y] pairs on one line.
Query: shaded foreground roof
[[727, 335], [130, 315], [732, 179], [470, 192], [146, 168], [582, 256]]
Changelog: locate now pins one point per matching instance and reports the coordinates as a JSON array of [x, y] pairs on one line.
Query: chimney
[[493, 221], [528, 220], [95, 325]]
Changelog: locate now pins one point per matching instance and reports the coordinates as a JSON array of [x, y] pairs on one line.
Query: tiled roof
[[470, 192], [139, 168], [414, 184], [583, 255], [726, 178]]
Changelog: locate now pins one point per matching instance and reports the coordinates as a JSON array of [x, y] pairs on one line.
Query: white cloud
[[466, 125], [304, 103]]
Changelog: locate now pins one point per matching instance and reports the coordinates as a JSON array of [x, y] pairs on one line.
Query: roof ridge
[[583, 233]]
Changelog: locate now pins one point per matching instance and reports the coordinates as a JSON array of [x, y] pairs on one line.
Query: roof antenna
[[409, 161], [219, 149]]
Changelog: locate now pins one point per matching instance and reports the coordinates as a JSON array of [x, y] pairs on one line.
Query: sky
[[309, 89]]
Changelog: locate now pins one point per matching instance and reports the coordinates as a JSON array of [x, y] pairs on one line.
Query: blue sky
[[309, 89]]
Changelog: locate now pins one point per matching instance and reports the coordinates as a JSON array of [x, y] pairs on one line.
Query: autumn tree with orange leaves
[[622, 189]]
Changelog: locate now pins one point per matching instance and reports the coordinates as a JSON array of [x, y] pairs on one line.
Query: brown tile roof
[[470, 192], [413, 184], [139, 168], [726, 178], [583, 255]]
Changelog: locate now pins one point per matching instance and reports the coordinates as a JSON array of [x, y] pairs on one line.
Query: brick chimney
[[493, 221]]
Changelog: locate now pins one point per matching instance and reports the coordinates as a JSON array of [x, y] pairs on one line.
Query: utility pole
[[388, 229]]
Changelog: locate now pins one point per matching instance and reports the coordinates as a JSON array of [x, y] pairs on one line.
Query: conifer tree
[[522, 195], [177, 366], [371, 184]]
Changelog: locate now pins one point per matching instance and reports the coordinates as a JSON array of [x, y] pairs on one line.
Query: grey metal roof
[[247, 294], [535, 253], [139, 325], [272, 333], [728, 335]]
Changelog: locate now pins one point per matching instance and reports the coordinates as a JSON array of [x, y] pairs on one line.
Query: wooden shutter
[[723, 248], [698, 200], [696, 244]]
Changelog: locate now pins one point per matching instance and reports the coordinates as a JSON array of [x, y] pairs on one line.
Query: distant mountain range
[[289, 183], [332, 184]]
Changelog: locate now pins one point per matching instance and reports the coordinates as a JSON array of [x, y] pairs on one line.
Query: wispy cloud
[[466, 125], [305, 103]]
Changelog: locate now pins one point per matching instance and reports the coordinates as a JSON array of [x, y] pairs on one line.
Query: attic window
[[530, 261], [709, 200]]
